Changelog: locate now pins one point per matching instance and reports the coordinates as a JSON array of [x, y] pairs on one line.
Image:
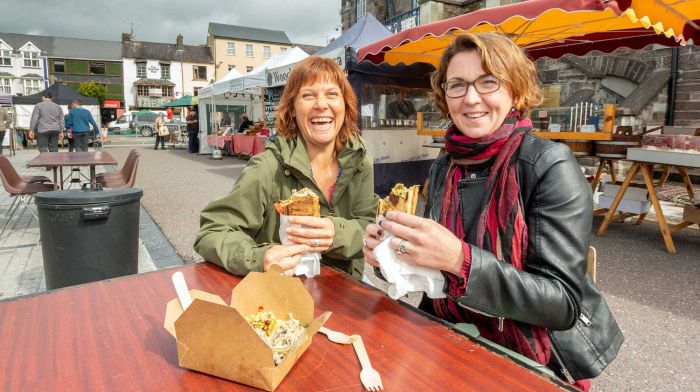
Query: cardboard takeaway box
[[216, 339]]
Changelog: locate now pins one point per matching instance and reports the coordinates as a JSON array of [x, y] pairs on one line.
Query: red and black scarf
[[501, 227]]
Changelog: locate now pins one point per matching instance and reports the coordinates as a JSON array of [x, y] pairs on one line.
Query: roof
[[62, 95], [153, 82], [309, 49], [367, 30], [248, 33], [169, 52], [72, 48]]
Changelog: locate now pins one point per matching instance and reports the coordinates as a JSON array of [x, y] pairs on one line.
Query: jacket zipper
[[564, 370], [500, 319]]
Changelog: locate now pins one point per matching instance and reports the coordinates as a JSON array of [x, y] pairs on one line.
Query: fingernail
[[380, 232], [384, 213]]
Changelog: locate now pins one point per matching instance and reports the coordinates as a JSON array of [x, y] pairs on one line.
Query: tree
[[92, 89]]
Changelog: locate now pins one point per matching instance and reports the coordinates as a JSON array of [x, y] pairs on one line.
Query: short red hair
[[310, 70]]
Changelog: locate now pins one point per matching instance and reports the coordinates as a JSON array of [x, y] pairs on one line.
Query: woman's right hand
[[286, 256], [373, 234]]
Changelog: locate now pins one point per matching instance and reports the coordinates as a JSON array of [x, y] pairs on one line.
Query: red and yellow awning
[[551, 28]]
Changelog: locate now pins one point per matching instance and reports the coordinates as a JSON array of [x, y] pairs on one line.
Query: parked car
[[122, 124], [144, 124]]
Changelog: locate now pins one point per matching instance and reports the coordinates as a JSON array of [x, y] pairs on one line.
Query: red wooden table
[[109, 336], [58, 160]]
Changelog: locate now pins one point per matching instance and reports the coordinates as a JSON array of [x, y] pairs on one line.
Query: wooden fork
[[370, 378]]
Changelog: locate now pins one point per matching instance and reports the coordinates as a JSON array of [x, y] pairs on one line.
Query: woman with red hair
[[316, 147]]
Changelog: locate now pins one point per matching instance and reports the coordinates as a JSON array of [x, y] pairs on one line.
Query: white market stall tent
[[229, 97], [23, 106]]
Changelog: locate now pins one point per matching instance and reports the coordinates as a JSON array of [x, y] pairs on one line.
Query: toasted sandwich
[[400, 199], [303, 202]]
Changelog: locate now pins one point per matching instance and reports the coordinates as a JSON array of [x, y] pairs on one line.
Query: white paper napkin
[[310, 264], [403, 277]]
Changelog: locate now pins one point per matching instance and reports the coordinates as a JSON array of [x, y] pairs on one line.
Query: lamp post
[[182, 73]]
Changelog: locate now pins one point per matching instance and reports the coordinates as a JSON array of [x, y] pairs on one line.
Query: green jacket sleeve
[[228, 225], [349, 231]]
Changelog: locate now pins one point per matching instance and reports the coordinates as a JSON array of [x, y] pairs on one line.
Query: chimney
[[180, 45], [126, 37]]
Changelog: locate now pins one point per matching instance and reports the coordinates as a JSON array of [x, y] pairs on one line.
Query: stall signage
[[338, 55], [278, 76], [272, 100]]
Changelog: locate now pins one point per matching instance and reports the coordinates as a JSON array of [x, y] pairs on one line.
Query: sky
[[311, 22]]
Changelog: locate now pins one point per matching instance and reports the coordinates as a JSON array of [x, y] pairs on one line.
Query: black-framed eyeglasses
[[483, 85]]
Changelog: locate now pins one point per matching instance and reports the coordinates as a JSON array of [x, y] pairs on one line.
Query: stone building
[[637, 81]]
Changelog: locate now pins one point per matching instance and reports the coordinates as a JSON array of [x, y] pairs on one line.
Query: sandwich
[[303, 202], [400, 199]]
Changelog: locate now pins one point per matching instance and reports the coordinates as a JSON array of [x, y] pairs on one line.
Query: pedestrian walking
[[47, 123], [192, 132], [80, 120], [160, 132]]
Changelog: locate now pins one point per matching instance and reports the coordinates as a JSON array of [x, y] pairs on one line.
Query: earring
[[512, 110]]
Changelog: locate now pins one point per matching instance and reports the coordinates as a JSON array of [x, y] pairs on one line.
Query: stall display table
[[644, 161], [109, 336], [248, 145]]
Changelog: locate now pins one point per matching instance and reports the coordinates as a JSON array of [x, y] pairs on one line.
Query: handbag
[[163, 131]]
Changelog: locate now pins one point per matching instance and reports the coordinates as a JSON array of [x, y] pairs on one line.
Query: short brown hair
[[310, 70], [501, 58]]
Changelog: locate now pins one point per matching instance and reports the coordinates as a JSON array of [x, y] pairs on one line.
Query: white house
[[156, 73], [23, 68]]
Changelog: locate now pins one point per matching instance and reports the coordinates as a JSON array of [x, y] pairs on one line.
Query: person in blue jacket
[[80, 120]]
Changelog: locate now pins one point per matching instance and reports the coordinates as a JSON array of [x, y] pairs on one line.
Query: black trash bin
[[88, 234]]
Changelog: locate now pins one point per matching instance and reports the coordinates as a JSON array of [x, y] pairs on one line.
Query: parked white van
[[121, 124]]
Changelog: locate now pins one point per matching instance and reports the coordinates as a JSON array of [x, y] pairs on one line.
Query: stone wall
[[582, 79]]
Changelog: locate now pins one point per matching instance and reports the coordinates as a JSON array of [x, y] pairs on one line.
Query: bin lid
[[88, 196]]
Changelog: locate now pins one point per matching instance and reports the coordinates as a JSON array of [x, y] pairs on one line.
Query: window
[[97, 68], [231, 66], [196, 90], [231, 48], [140, 70], [165, 71], [249, 68], [5, 58], [266, 52], [31, 59], [361, 8], [283, 49], [248, 50], [167, 91], [199, 72], [6, 85], [142, 91], [59, 66], [31, 86]]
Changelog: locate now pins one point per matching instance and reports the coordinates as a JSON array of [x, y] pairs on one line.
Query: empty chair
[[21, 190], [126, 178], [118, 175]]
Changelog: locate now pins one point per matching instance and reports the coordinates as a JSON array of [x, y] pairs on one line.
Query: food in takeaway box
[[303, 202], [280, 335], [400, 199]]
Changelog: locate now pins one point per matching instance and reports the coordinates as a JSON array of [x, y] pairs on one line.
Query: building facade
[[243, 48], [156, 73], [23, 63]]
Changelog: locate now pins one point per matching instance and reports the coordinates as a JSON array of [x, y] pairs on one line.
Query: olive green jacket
[[236, 230]]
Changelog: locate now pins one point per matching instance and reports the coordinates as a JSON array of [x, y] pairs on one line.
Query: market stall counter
[[643, 161]]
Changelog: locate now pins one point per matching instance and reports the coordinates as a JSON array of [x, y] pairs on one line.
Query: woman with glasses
[[508, 218], [317, 147]]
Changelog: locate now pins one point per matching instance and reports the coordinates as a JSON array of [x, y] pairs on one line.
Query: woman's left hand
[[426, 243], [318, 233]]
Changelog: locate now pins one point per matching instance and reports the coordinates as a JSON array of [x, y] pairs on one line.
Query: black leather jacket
[[554, 290]]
